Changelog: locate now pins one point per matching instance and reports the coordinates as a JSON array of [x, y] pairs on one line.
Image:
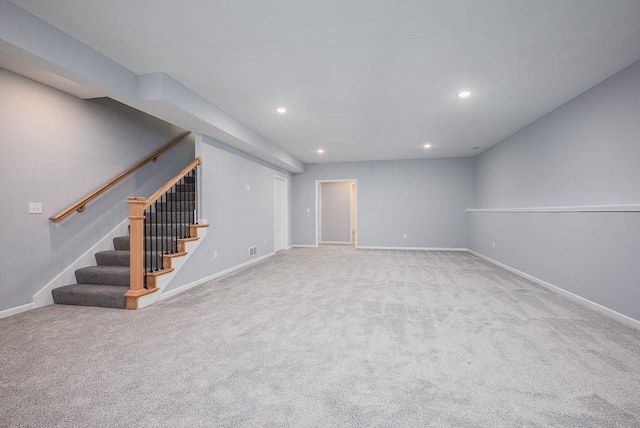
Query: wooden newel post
[[136, 248]]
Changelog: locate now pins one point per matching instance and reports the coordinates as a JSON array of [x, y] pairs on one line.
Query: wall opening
[[336, 212]]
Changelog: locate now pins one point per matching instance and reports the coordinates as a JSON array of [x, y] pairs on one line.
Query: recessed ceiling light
[[427, 146], [281, 110], [464, 94], [321, 151], [475, 147]]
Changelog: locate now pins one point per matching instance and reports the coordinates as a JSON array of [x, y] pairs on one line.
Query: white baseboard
[[336, 242], [593, 305], [15, 311], [303, 246], [201, 281], [368, 247], [67, 276]]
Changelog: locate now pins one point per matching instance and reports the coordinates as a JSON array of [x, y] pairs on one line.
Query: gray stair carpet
[[104, 296], [104, 285]]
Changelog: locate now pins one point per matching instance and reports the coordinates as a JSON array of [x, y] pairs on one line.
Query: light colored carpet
[[328, 337]]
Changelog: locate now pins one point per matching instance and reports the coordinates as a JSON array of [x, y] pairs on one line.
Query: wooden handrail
[[81, 204], [169, 184]]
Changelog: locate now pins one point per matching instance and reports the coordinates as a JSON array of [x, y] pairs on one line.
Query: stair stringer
[[68, 275], [163, 281]]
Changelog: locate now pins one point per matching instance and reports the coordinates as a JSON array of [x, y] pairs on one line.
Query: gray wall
[[586, 152], [238, 218], [54, 149], [335, 212], [426, 199]]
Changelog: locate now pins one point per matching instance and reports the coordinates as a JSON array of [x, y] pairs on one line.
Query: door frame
[[319, 202], [285, 212]]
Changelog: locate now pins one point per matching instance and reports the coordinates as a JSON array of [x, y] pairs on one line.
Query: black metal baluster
[[147, 216], [170, 218], [195, 195], [172, 226], [192, 207], [155, 238], [175, 219], [181, 208], [178, 217]]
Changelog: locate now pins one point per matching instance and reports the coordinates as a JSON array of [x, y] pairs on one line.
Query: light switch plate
[[35, 208]]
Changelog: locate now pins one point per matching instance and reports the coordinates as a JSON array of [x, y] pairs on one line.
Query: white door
[[278, 214]]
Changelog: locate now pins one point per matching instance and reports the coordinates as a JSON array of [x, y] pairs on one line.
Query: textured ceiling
[[366, 79]]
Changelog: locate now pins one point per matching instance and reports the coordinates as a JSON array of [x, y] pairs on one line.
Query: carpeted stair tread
[[123, 258], [106, 296], [113, 258], [103, 275]]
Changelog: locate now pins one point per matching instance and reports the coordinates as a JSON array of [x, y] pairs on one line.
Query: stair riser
[[175, 206], [123, 243], [86, 276], [112, 258], [185, 188], [170, 222], [90, 295], [170, 230], [180, 196], [170, 217]]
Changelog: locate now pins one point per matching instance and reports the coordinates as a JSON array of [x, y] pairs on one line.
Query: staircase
[[168, 226], [103, 285]]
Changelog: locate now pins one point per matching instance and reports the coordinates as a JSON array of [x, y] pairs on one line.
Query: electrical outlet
[[247, 187], [493, 245], [404, 236], [308, 210], [35, 208], [265, 241], [215, 254]]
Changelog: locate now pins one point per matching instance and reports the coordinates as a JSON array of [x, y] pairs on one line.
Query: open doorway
[[336, 212]]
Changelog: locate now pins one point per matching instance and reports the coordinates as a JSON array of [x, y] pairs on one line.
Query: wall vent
[[253, 251]]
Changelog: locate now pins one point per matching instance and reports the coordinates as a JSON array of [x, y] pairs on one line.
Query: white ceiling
[[366, 79]]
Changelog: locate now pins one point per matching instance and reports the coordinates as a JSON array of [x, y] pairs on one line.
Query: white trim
[[285, 209], [16, 310], [368, 247], [583, 208], [593, 305], [68, 276], [336, 242], [302, 246], [201, 281], [353, 219]]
